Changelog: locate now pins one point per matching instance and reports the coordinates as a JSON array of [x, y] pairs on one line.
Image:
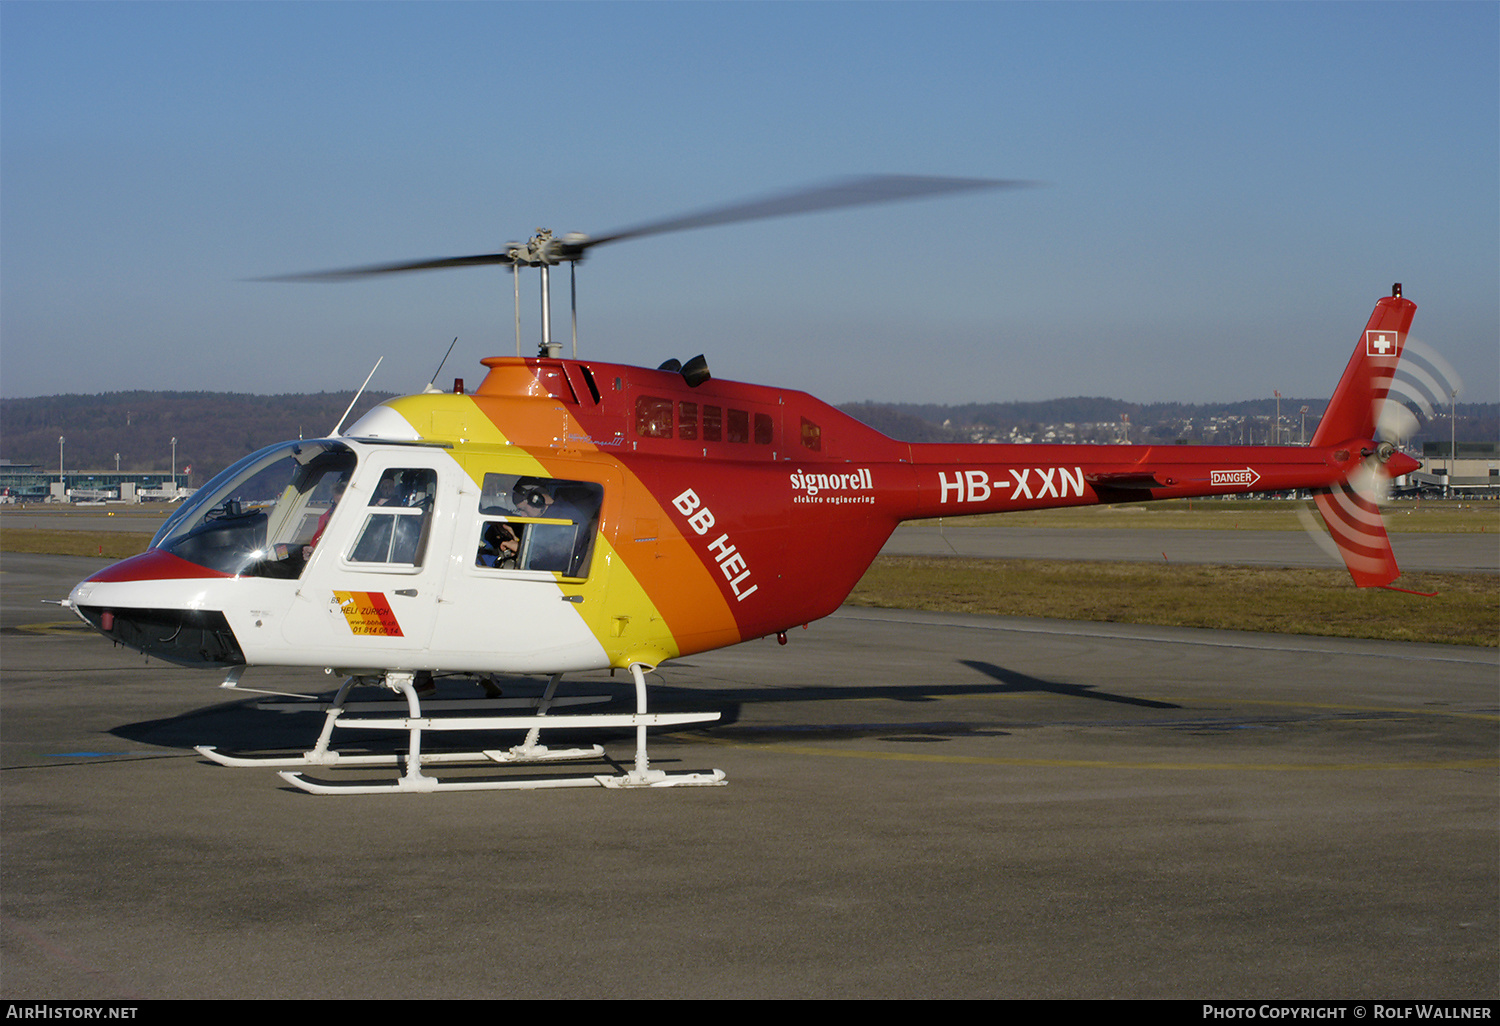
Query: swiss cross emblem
[[1380, 343]]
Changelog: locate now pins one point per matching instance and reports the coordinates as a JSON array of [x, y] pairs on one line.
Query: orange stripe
[[685, 594]]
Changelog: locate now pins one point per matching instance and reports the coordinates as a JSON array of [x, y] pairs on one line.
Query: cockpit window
[[263, 516], [396, 532]]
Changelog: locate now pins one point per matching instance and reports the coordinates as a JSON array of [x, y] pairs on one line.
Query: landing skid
[[530, 751]]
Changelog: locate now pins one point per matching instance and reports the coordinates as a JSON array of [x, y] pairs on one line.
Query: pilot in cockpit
[[498, 545], [560, 549], [386, 492]]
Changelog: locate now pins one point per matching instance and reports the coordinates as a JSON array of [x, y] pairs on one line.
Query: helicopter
[[572, 515]]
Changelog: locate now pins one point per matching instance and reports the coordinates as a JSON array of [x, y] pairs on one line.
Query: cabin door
[[374, 578]]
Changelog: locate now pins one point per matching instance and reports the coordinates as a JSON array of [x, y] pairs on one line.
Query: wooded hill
[[213, 429]]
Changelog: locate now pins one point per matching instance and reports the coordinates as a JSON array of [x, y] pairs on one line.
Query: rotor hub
[[544, 250]]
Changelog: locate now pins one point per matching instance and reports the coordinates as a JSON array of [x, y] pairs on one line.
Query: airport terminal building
[[1473, 474], [30, 483]]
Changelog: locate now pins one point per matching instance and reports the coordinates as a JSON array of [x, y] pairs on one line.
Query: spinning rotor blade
[[544, 249], [349, 273], [1424, 381], [1352, 512], [1396, 422], [848, 192]]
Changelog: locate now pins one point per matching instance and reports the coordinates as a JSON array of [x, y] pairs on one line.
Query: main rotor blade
[[405, 265], [848, 192]]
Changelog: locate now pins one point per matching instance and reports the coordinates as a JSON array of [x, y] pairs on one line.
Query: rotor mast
[[543, 252]]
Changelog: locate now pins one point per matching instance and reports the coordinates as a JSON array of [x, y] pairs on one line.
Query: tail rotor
[[1403, 395], [1351, 509]]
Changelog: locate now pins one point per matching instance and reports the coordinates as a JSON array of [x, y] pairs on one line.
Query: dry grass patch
[[109, 544], [1466, 610]]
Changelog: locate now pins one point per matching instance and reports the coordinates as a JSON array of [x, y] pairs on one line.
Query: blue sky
[[1230, 187]]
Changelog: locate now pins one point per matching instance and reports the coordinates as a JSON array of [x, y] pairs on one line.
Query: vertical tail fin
[[1349, 509], [1355, 406]]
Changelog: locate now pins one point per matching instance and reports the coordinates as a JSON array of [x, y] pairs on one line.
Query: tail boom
[[960, 480]]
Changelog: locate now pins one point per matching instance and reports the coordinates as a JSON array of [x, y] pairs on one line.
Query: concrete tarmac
[[919, 805]]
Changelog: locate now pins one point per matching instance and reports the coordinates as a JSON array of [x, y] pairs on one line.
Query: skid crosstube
[[530, 751]]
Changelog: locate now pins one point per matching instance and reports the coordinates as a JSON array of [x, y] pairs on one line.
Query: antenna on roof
[[432, 382], [361, 392]]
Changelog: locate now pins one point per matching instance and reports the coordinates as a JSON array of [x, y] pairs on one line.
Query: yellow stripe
[[630, 626]]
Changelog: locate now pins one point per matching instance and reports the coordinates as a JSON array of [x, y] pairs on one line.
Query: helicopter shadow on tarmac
[[271, 723]]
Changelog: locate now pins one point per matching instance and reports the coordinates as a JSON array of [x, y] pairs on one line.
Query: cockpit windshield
[[263, 516]]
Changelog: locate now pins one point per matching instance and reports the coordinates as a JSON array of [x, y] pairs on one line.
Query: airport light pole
[[174, 468], [62, 486], [1452, 436]]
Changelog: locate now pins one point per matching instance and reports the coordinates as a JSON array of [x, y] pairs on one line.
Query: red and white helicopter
[[571, 515]]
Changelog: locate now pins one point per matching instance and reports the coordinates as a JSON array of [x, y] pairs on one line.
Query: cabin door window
[[539, 524], [397, 519]]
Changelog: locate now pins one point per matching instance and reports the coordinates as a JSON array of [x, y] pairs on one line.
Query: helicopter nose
[[153, 603], [187, 637]]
